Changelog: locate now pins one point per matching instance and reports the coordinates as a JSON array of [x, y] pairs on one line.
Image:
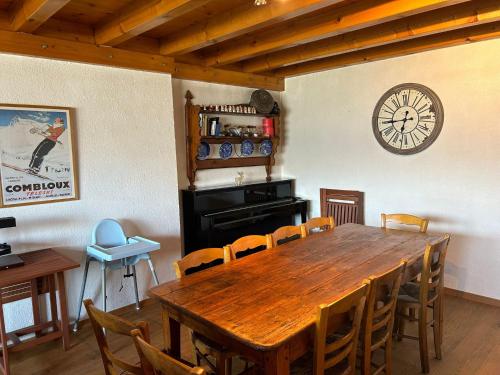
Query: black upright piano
[[214, 217]]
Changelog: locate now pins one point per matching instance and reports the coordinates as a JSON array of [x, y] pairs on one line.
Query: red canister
[[268, 126]]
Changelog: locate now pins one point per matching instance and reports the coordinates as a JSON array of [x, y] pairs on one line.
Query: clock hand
[[392, 121], [404, 121]]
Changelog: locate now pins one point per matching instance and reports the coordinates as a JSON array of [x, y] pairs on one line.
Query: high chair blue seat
[[114, 250]]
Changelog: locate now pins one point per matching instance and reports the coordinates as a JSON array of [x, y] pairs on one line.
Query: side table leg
[[3, 337], [152, 268], [35, 303], [53, 300], [64, 310], [82, 291]]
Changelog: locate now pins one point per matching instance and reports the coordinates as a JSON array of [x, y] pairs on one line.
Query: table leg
[[3, 336], [35, 303], [277, 362], [64, 310], [171, 334]]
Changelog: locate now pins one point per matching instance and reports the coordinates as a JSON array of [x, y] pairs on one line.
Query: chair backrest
[[109, 233], [345, 206], [405, 219], [319, 224], [201, 259], [100, 321], [340, 320], [378, 318], [288, 233], [155, 361], [248, 245], [432, 276]]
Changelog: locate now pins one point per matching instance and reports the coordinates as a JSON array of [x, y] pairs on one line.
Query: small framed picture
[[37, 155]]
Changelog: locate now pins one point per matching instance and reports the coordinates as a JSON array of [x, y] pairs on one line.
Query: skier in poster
[[51, 134]]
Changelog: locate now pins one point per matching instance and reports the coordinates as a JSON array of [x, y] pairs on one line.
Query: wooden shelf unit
[[194, 138], [233, 113], [233, 139]]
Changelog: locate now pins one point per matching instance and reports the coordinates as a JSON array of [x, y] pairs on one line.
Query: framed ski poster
[[37, 156]]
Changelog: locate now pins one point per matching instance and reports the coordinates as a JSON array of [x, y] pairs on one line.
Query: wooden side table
[[38, 276]]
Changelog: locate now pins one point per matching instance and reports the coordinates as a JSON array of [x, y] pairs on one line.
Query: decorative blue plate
[[247, 147], [226, 150], [266, 147], [203, 151]]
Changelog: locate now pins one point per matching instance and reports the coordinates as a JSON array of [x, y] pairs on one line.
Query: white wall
[[127, 166], [129, 151], [329, 143], [209, 93]]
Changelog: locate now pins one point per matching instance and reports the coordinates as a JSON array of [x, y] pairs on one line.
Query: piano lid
[[215, 199]]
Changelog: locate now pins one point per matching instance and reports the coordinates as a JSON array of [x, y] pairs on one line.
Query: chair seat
[[410, 293]]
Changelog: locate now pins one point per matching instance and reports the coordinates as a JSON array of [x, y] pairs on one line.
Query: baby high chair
[[114, 250]]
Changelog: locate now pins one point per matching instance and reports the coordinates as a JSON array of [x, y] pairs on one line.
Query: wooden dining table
[[264, 306]]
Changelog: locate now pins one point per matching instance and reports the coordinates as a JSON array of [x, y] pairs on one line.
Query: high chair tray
[[136, 246]]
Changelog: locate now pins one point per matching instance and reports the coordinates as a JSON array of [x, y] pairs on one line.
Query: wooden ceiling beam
[[134, 22], [236, 22], [322, 25], [447, 19], [29, 15], [229, 77], [53, 48], [427, 43]]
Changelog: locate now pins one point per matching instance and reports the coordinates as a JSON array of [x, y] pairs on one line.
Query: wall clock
[[407, 119]]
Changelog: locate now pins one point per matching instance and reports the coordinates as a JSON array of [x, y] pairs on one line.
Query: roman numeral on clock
[[388, 131]]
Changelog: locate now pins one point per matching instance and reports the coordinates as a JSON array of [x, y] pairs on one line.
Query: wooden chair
[[406, 220], [204, 347], [345, 206], [427, 293], [101, 321], [288, 233], [319, 224], [378, 320], [157, 362], [337, 332], [199, 260], [248, 245]]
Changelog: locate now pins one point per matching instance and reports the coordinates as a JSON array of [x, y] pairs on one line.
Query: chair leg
[[229, 366], [412, 314], [401, 324], [82, 291], [366, 361], [422, 339], [438, 327], [103, 273], [136, 291], [388, 356], [152, 268]]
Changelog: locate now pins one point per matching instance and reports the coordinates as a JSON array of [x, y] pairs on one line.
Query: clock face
[[407, 119]]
